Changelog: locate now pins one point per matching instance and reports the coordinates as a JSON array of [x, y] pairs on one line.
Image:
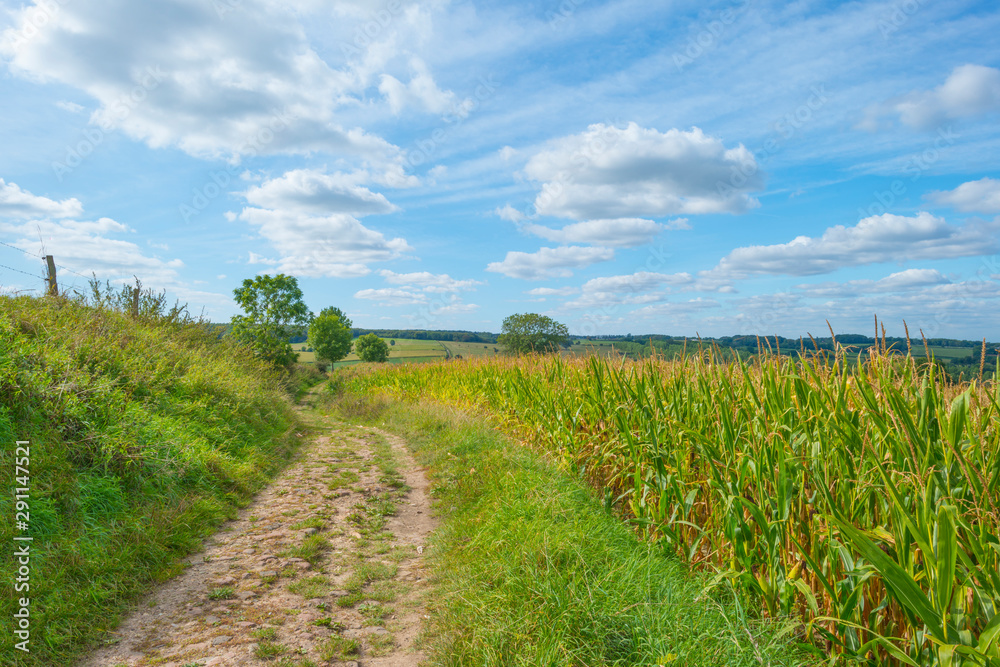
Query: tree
[[273, 312], [371, 348], [530, 332], [392, 342], [330, 335]]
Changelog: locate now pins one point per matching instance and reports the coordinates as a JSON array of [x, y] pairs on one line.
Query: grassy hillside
[[144, 435]]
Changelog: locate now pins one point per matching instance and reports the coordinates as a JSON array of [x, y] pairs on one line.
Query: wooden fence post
[[51, 280]]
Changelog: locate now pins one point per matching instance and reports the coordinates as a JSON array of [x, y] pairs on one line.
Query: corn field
[[862, 496]]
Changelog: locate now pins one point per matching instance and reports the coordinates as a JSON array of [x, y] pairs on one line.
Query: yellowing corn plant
[[862, 496]]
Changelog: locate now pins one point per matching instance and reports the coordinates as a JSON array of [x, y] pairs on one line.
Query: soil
[[325, 567]]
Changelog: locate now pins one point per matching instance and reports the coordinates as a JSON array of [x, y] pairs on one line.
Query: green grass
[[310, 550], [266, 650], [145, 436], [531, 570], [311, 587], [338, 648], [222, 593]]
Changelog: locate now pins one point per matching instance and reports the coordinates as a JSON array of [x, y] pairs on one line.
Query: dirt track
[[325, 567]]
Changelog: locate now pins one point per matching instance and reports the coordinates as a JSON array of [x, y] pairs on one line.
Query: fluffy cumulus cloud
[[312, 191], [18, 203], [982, 196], [95, 247], [335, 246], [182, 73], [429, 282], [609, 172], [621, 232], [311, 220], [549, 262], [876, 239], [970, 90], [636, 288], [84, 246]]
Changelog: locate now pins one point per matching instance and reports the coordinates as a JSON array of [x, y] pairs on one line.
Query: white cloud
[[635, 288], [879, 238], [506, 153], [640, 281], [923, 298], [336, 245], [621, 232], [180, 73], [91, 246], [72, 107], [310, 218], [254, 258], [678, 223], [549, 262], [389, 296], [313, 191], [454, 306], [18, 203], [675, 309], [910, 279], [552, 291], [607, 172], [421, 92], [509, 213], [429, 282], [982, 196], [970, 90]]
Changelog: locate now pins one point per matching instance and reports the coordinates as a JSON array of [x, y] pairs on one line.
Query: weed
[[264, 633], [221, 593], [311, 587], [338, 648], [266, 650]]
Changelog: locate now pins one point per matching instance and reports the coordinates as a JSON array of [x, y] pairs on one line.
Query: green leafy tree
[[330, 335], [371, 348], [273, 312], [530, 332]]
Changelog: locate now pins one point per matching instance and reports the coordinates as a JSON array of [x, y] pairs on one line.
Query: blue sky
[[728, 168]]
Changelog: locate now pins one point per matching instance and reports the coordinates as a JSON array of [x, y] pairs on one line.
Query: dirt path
[[324, 568]]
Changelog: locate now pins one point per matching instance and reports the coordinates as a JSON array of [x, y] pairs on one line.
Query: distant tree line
[[446, 336]]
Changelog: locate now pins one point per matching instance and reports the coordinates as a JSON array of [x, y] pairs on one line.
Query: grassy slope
[[143, 437], [533, 571]]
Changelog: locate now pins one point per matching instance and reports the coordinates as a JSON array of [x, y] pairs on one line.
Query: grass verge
[[531, 570], [145, 435]]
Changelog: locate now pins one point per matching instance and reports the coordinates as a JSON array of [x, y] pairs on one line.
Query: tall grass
[[529, 570], [146, 431], [863, 497]]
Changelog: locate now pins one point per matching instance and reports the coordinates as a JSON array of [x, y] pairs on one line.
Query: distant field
[[472, 349], [405, 350], [402, 352]]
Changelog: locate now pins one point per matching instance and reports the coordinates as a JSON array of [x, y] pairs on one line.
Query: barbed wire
[[11, 268], [20, 250], [66, 268]]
